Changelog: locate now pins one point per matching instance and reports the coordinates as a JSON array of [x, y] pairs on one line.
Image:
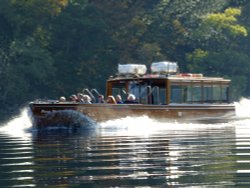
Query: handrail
[[92, 93], [95, 91], [85, 90]]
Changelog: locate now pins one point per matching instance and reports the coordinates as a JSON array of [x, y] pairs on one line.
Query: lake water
[[129, 152]]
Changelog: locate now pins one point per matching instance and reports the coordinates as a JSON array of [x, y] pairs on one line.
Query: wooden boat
[[164, 94]]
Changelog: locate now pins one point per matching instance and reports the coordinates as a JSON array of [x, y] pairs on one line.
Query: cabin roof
[[177, 77]]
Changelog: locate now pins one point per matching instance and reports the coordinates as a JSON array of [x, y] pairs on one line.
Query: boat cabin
[[165, 86]]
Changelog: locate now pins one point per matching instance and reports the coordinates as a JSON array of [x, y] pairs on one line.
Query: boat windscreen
[[148, 93]]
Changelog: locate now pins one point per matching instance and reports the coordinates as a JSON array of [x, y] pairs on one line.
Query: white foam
[[18, 125], [145, 126], [243, 108]]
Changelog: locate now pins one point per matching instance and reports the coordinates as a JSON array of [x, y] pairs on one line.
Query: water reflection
[[183, 158], [126, 153], [242, 150]]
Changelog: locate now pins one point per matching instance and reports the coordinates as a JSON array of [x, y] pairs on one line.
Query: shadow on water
[[60, 125], [68, 119]]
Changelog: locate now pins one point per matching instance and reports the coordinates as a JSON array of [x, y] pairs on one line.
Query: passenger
[[130, 99], [62, 99], [80, 98], [101, 99], [118, 99], [111, 100], [86, 99], [73, 98]]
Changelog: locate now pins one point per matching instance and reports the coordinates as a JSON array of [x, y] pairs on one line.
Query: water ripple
[[133, 152]]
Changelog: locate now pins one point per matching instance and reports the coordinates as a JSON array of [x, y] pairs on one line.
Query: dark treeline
[[50, 48]]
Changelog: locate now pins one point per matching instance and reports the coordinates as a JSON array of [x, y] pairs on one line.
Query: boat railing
[[96, 93], [93, 93]]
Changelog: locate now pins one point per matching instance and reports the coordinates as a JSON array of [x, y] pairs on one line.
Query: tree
[[82, 49], [26, 64]]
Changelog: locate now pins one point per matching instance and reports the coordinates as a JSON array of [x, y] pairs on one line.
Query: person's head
[[131, 97], [118, 98], [80, 97], [62, 99], [86, 99], [100, 98], [73, 98], [111, 100]]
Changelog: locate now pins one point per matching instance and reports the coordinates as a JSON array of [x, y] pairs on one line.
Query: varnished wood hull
[[104, 112]]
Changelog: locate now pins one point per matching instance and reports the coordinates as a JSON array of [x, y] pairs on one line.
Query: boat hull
[[104, 112]]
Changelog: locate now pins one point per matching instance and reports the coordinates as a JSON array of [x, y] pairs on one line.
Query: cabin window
[[181, 94], [208, 93], [220, 93], [148, 93], [162, 97], [142, 92], [187, 94], [119, 89], [224, 93], [216, 93], [157, 95], [197, 94], [176, 94]]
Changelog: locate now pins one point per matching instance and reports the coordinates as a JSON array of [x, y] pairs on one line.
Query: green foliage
[[227, 21], [196, 57], [217, 30], [80, 46], [27, 72], [58, 47]]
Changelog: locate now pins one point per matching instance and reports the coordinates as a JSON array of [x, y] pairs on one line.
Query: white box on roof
[[164, 67], [132, 69]]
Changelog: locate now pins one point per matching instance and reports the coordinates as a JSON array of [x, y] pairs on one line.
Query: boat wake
[[18, 126], [243, 108], [145, 125]]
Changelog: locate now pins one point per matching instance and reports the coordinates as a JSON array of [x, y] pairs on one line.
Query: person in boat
[[62, 99], [111, 100], [73, 98], [118, 99], [131, 99], [101, 99], [86, 99], [79, 98]]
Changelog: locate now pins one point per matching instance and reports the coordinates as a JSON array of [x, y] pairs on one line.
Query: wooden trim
[[168, 91], [108, 88]]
